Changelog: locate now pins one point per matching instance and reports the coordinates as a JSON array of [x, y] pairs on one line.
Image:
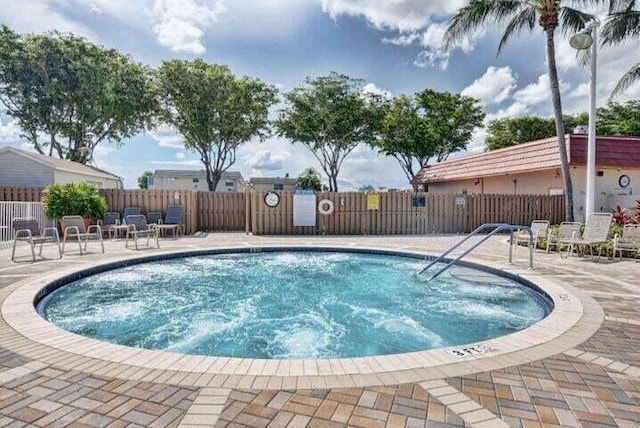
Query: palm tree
[[520, 16], [623, 22]]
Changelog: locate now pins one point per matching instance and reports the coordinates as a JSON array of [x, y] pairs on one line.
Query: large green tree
[[619, 119], [613, 119], [309, 179], [623, 23], [68, 95], [431, 125], [143, 180], [330, 116], [510, 131], [215, 111], [520, 16]]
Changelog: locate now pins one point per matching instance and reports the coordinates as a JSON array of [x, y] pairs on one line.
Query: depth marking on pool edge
[[469, 351]]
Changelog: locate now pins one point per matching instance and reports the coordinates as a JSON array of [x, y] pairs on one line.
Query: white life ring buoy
[[325, 206]]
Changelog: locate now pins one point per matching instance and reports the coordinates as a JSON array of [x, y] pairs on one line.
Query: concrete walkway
[[593, 381]]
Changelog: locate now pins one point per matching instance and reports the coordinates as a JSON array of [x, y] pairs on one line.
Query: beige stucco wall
[[64, 177], [608, 192], [534, 183]]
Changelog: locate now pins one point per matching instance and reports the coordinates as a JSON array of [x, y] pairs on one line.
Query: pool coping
[[574, 318]]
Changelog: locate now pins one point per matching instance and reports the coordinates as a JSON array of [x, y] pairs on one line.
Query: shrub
[[73, 199], [622, 216]]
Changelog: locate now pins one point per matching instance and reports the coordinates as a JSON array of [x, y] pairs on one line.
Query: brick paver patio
[[594, 384]]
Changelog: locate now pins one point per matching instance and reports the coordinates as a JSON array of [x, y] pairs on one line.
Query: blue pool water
[[292, 305]]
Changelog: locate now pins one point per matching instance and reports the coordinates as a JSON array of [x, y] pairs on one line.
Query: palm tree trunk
[[560, 131]]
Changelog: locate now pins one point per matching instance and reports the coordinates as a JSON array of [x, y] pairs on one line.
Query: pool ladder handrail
[[497, 227]]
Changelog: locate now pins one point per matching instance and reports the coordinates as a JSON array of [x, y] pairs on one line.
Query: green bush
[[73, 199]]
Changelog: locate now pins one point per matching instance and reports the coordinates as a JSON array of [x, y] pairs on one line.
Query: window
[[150, 181], [228, 183], [196, 180], [278, 186]]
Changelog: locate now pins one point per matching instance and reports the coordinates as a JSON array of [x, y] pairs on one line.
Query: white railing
[[11, 210]]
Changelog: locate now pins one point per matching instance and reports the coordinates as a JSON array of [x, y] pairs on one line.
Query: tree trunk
[[560, 131]]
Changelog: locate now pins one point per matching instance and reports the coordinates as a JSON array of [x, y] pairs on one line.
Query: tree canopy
[[431, 125], [143, 180], [330, 116], [309, 179], [215, 111], [614, 119], [68, 95]]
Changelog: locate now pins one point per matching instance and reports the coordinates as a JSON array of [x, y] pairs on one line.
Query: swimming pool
[[292, 304]]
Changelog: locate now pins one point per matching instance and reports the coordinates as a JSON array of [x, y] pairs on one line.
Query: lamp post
[[585, 39]]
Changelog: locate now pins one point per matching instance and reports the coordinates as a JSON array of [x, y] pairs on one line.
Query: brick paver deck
[[596, 383]]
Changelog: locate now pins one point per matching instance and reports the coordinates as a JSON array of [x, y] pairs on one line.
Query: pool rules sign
[[304, 208]]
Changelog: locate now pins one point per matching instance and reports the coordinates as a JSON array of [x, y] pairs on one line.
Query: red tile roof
[[534, 156]]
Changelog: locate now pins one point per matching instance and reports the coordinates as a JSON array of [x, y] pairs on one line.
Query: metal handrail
[[497, 227]]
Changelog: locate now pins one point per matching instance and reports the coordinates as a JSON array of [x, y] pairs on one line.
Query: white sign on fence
[[304, 208]]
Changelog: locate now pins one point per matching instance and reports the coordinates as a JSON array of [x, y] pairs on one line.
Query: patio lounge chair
[[154, 217], [74, 227], [539, 229], [27, 229], [109, 223], [628, 241], [130, 211], [567, 231], [172, 221], [138, 228], [596, 231]]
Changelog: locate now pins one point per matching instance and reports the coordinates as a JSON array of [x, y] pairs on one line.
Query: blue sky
[[395, 46]]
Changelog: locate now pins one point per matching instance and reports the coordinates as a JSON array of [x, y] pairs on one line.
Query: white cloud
[[39, 16], [493, 87], [538, 91], [401, 15], [10, 133], [265, 160], [167, 136], [180, 155], [180, 24], [373, 89]]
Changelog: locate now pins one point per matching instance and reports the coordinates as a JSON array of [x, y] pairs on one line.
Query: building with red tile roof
[[534, 168]]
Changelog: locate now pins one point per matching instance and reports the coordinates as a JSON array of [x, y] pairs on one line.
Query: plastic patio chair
[[539, 229], [596, 231], [74, 227], [27, 229], [173, 220], [139, 228]]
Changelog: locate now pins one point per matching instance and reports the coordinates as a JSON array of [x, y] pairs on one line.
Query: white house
[[231, 181], [19, 168], [266, 184]]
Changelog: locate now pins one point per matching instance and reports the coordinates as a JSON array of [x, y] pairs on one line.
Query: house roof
[[61, 164], [534, 156]]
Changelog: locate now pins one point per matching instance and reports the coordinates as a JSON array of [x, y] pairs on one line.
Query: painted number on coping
[[469, 351]]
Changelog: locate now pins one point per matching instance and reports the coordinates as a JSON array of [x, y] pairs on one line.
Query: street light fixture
[[585, 39]]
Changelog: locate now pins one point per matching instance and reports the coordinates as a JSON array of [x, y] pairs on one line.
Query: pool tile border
[[574, 318]]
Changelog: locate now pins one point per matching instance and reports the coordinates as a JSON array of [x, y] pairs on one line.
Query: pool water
[[286, 305]]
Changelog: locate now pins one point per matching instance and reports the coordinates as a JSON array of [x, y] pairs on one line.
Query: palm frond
[[616, 6], [573, 20], [621, 25], [476, 13], [628, 79], [526, 19]]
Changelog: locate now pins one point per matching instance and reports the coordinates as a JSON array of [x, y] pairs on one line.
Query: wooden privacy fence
[[405, 213], [397, 212]]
